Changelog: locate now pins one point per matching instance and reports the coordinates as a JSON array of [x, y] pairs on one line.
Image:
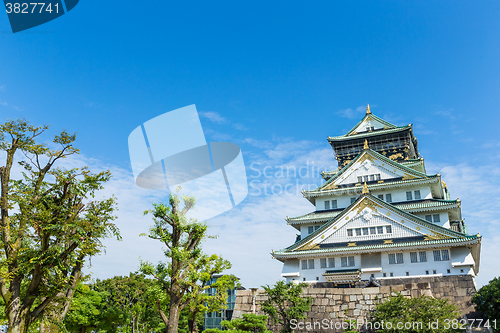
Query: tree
[[185, 275], [211, 297], [49, 224], [416, 311], [85, 310], [487, 301], [284, 303], [249, 323], [131, 301]]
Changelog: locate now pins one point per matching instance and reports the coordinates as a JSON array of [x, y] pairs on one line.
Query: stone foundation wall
[[356, 303]]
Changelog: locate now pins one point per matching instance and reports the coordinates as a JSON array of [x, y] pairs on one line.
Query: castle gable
[[370, 166], [370, 220]]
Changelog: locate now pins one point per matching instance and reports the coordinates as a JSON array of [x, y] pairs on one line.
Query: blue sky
[[277, 79]]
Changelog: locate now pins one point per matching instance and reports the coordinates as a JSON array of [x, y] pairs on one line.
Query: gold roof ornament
[[366, 145], [365, 189], [368, 109]]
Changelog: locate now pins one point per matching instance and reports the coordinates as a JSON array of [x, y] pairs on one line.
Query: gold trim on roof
[[365, 189], [368, 109]]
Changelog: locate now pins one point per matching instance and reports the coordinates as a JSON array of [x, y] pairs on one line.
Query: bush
[[409, 315], [249, 323], [487, 301]]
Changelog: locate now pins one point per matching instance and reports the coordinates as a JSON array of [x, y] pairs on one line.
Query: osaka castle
[[379, 215]]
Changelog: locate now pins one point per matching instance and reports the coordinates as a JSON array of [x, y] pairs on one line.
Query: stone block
[[352, 298], [356, 312], [367, 297], [344, 306], [399, 287], [345, 298], [359, 306], [461, 292], [352, 305], [372, 290], [321, 308], [385, 289], [324, 301], [369, 302]]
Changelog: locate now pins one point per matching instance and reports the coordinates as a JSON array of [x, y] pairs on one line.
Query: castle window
[[461, 271], [381, 196], [448, 271], [303, 279], [388, 229], [304, 264], [334, 204], [308, 264], [442, 255], [388, 197], [316, 227], [395, 258], [380, 230], [434, 272], [317, 278], [322, 263], [360, 179], [417, 194], [349, 232], [409, 196], [310, 229], [445, 255], [331, 262], [373, 230], [358, 231], [413, 257], [407, 273], [372, 275], [426, 272], [327, 204], [391, 274], [377, 176], [372, 178], [365, 178], [384, 274], [432, 218], [423, 256], [365, 231], [347, 261]]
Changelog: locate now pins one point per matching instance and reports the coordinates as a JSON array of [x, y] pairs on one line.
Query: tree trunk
[[192, 323], [48, 327], [173, 318]]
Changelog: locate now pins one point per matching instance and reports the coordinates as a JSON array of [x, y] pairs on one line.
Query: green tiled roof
[[367, 134], [371, 115], [373, 187], [380, 156], [426, 204], [328, 214], [410, 216], [379, 246], [314, 216]]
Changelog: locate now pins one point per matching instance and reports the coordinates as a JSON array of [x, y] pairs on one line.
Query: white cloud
[[213, 116], [477, 188], [2, 87], [3, 103], [352, 113]]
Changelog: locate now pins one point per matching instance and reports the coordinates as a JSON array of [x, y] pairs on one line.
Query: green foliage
[[487, 301], [50, 223], [186, 274], [285, 303], [423, 309], [249, 323], [85, 310]]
